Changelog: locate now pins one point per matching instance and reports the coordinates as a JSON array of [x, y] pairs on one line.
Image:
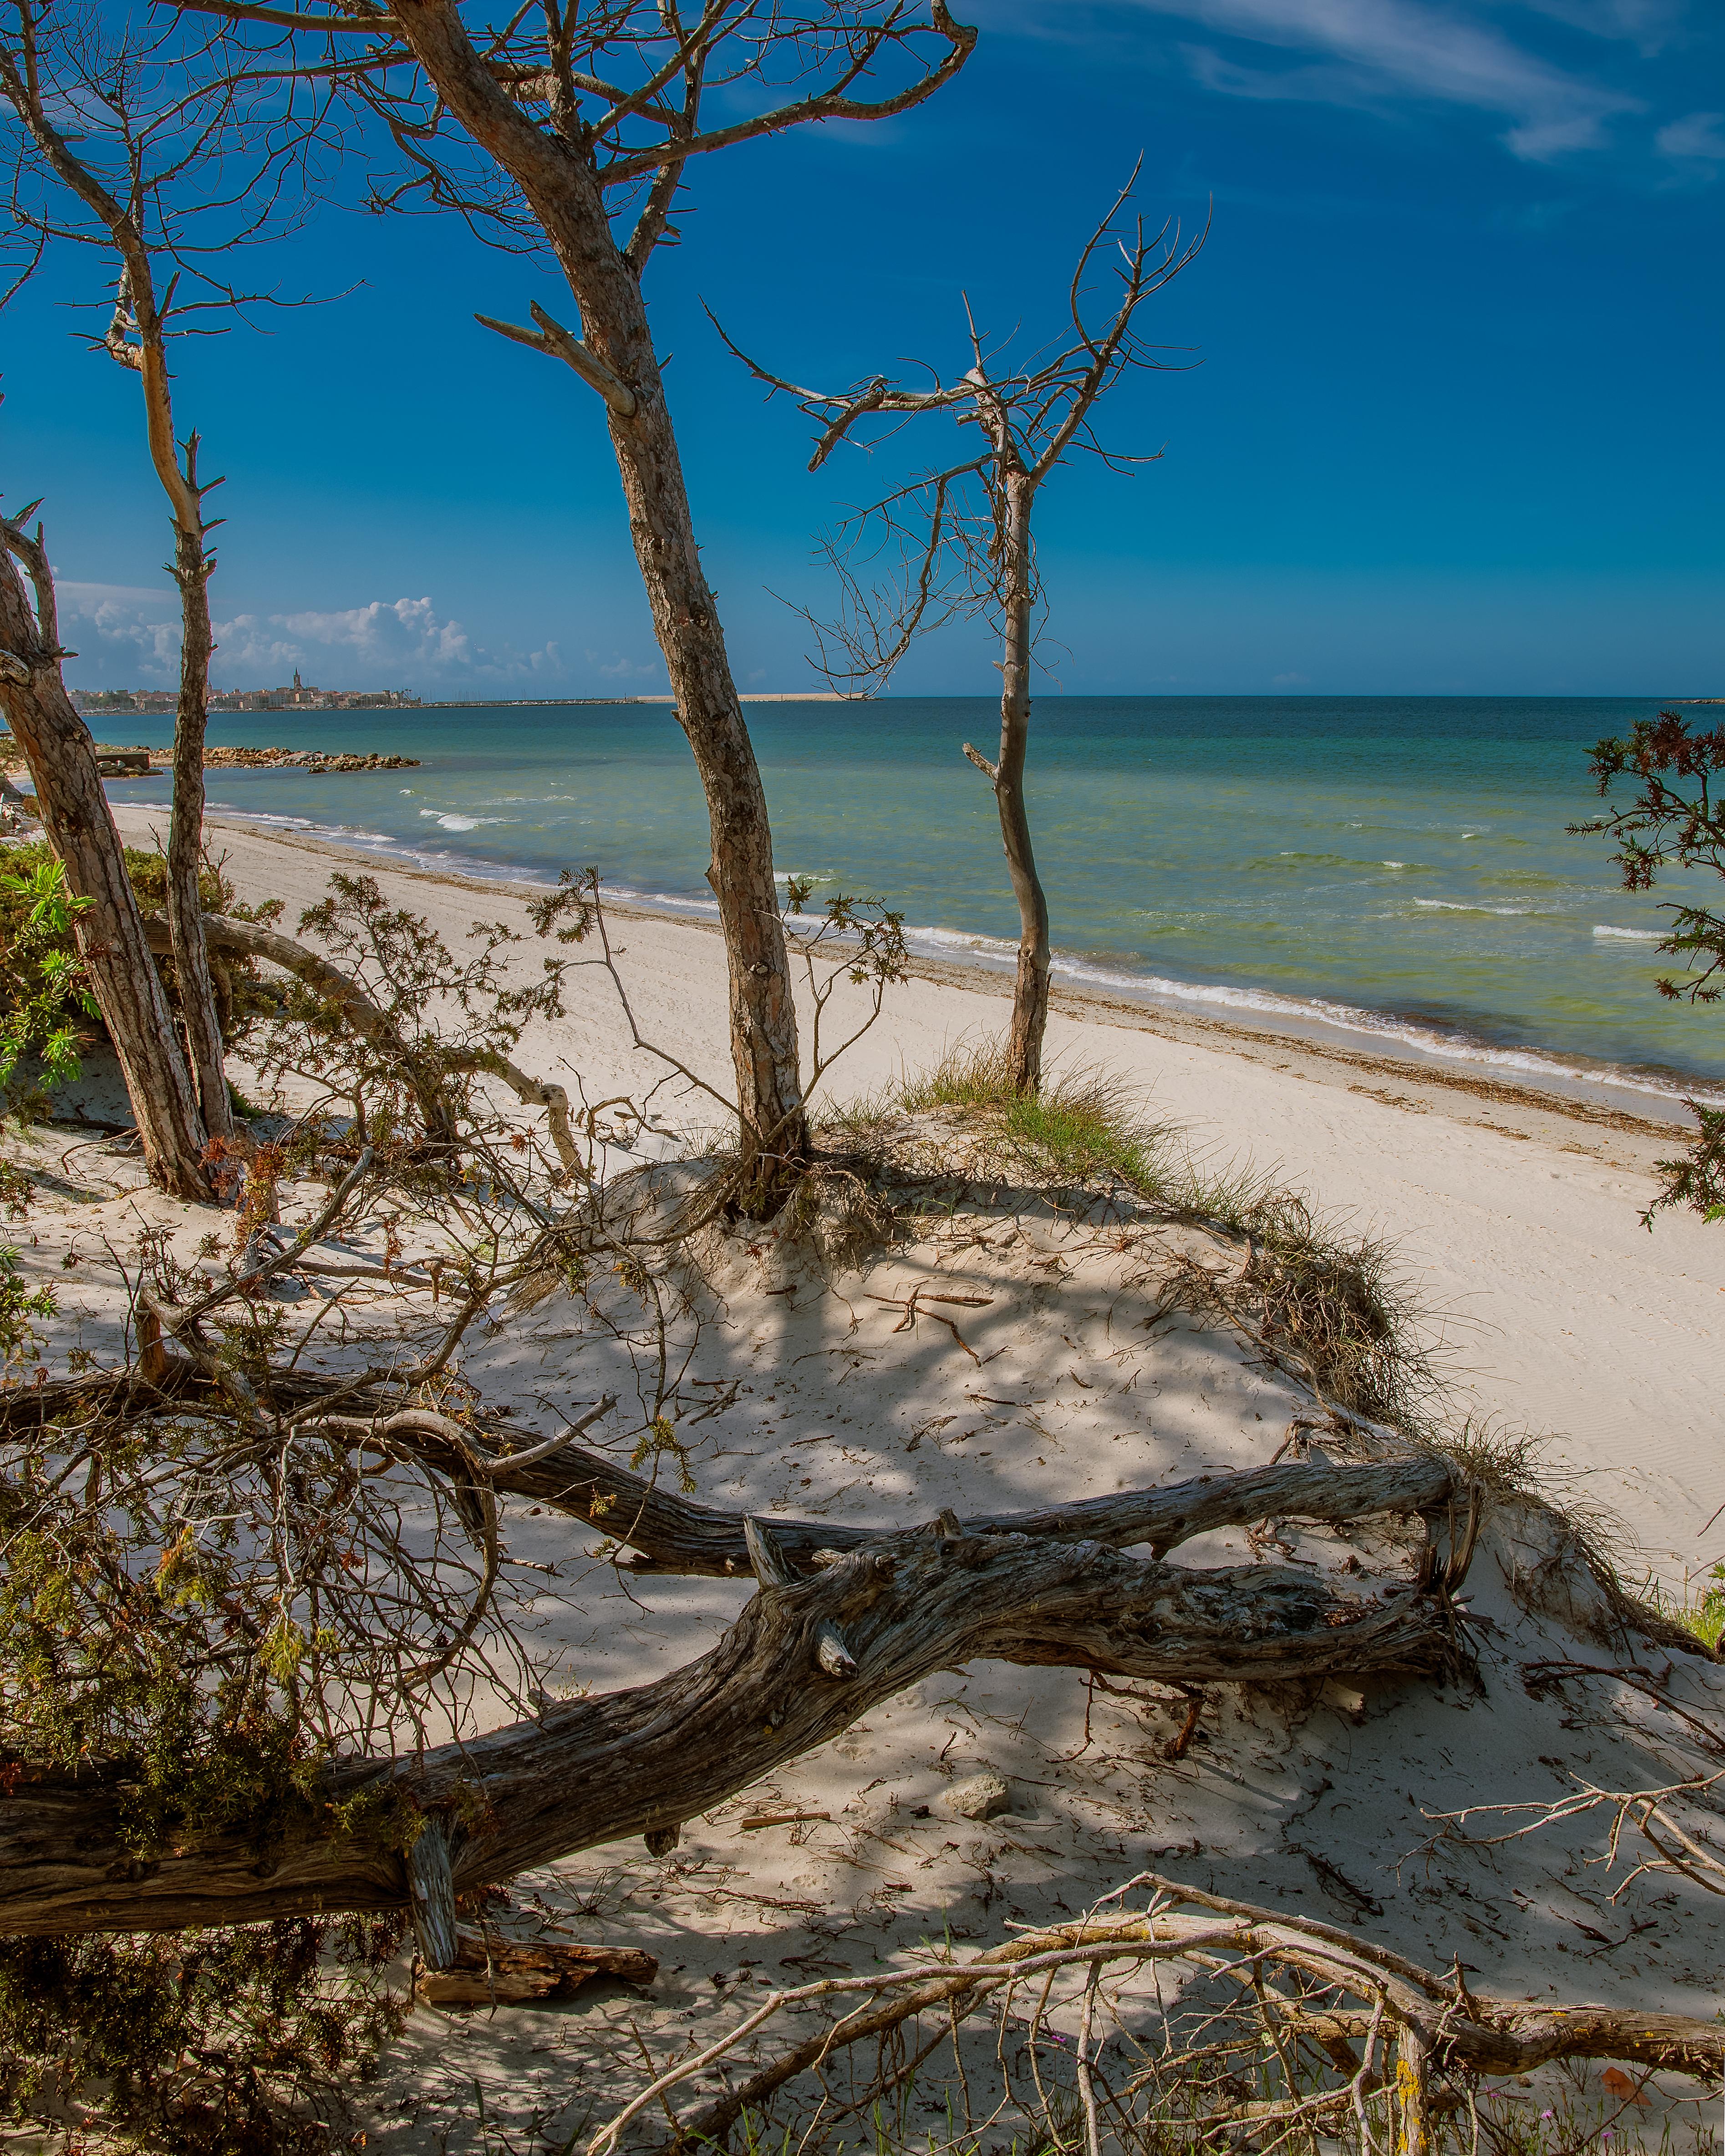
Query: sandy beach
[[1514, 1214], [1043, 1370]]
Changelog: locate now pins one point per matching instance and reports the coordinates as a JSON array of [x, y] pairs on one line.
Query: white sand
[[1515, 1219], [1516, 1225]]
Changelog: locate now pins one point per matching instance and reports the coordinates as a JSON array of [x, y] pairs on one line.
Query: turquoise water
[[1394, 867]]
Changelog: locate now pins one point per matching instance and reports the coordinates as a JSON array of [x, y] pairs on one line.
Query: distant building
[[299, 698], [94, 703]]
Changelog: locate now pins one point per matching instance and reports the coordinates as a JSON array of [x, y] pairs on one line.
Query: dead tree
[[110, 936], [809, 1653], [586, 118], [125, 144], [964, 542]]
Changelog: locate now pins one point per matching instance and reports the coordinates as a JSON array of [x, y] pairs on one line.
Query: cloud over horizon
[[126, 637]]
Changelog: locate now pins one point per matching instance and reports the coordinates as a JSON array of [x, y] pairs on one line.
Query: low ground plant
[[48, 1016]]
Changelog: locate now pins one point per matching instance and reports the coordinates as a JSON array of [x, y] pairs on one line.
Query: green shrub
[[47, 1012], [1705, 1616]]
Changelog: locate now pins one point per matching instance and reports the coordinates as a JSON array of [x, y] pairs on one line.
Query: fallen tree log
[[491, 1971], [672, 1534], [803, 1659]]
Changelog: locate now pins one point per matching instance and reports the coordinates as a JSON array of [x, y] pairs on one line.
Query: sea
[[1392, 873]]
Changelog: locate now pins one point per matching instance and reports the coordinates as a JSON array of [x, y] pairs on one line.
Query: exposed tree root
[[1387, 2029]]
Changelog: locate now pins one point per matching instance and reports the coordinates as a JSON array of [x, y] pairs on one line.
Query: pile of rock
[[301, 759]]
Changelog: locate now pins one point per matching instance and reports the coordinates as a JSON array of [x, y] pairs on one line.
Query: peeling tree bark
[[900, 1606], [136, 312], [562, 188], [110, 936]]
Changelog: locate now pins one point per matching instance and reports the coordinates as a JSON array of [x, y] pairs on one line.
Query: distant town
[[296, 696], [299, 696]]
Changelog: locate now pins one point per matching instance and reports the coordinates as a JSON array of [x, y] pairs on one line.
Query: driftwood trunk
[[491, 1971], [122, 975], [805, 1659], [561, 188]]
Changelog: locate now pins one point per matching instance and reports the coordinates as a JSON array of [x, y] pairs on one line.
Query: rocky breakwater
[[301, 759]]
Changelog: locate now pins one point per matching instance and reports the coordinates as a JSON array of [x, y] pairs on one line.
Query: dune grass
[[1329, 1303], [1080, 1126], [1703, 1613]]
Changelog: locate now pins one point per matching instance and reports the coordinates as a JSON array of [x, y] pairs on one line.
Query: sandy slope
[[1514, 1218], [1515, 1214]]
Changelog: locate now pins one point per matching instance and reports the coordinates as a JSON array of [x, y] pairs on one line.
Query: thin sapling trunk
[[137, 310], [1030, 994], [137, 339], [963, 537]]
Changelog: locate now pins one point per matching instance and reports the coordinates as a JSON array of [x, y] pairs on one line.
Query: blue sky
[[1454, 426]]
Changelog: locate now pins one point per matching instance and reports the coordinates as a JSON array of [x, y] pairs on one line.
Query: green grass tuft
[[1080, 1127], [1704, 1614], [1330, 1304]]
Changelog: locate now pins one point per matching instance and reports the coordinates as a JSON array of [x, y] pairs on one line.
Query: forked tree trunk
[[1030, 994], [110, 936], [563, 190]]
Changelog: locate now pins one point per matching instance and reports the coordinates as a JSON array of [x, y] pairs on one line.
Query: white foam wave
[[1380, 1026], [1376, 1026], [1633, 935], [672, 902], [1460, 905], [346, 835], [998, 951]]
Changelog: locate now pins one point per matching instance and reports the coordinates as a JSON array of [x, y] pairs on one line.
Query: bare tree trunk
[[185, 828], [1030, 994], [804, 1658], [110, 936], [562, 189], [135, 309], [686, 620]]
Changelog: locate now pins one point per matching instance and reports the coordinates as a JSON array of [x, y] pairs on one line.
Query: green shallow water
[[1395, 866]]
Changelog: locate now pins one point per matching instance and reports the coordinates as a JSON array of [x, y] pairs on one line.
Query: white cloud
[[1372, 50], [121, 630], [128, 637], [1696, 139], [1645, 23], [392, 635]]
